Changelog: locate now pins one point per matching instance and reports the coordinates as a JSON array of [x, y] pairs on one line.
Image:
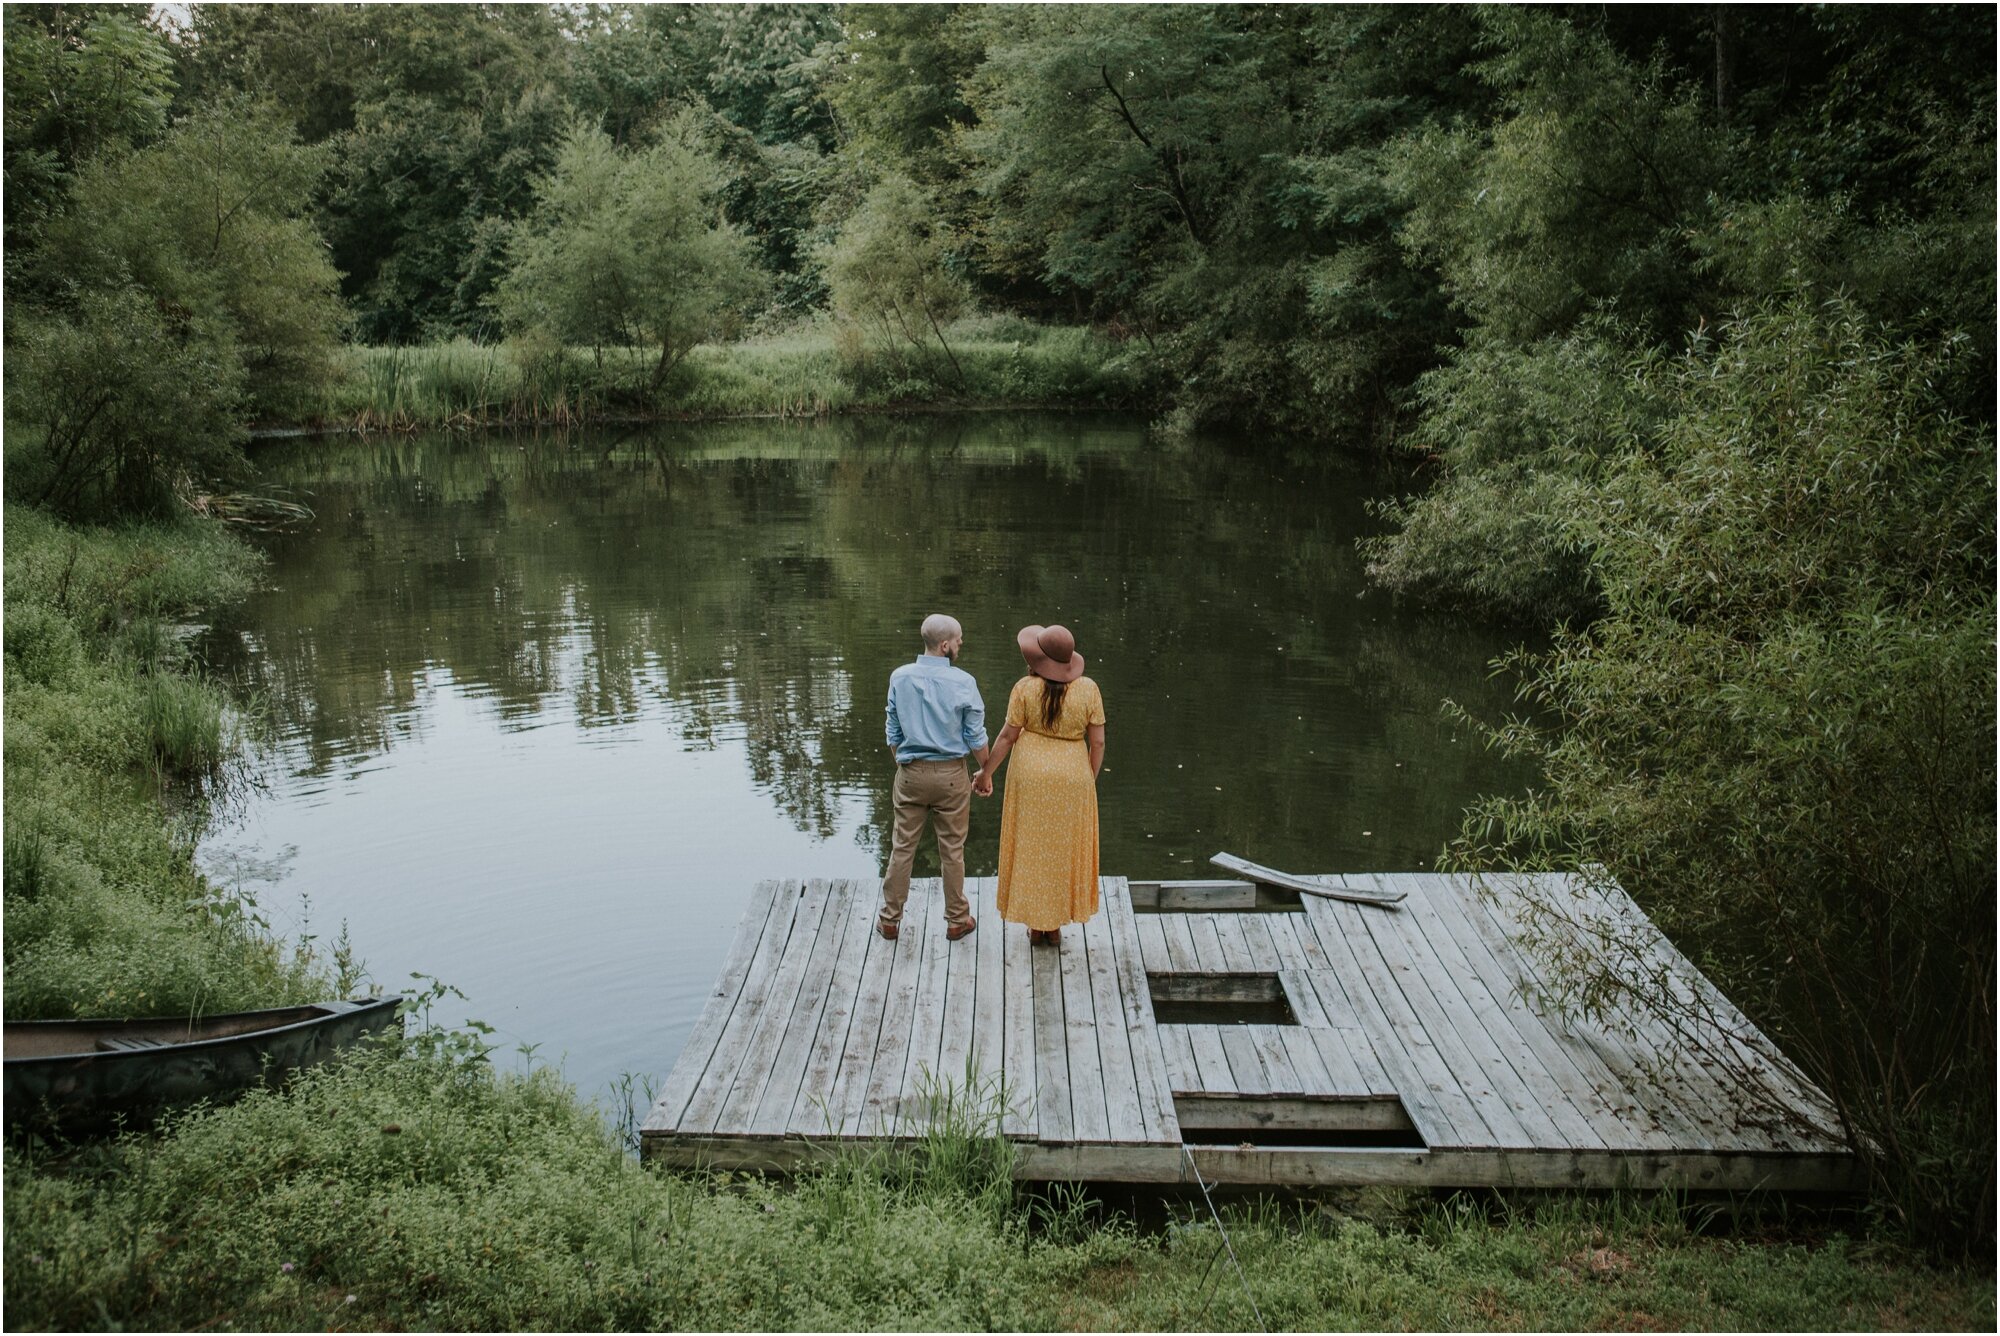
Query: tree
[[440, 115], [1145, 161], [1375, 315], [80, 80], [212, 222], [888, 268], [629, 249], [1581, 195], [1609, 207], [1112, 144], [898, 85]]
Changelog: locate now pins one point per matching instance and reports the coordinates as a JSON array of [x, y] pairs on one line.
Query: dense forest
[[1344, 224], [1683, 317]]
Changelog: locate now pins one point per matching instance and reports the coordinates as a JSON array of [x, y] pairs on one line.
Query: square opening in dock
[[1220, 999], [1214, 897], [1294, 1121]]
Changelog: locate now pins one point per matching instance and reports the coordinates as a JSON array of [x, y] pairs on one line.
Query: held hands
[[982, 783]]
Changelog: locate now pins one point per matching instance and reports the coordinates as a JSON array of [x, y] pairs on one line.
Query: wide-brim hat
[[1050, 652]]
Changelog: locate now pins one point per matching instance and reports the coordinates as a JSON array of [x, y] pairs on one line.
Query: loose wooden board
[[1306, 885]]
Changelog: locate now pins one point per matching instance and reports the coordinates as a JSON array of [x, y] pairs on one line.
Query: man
[[936, 720]]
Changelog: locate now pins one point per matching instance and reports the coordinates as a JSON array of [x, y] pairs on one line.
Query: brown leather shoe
[[962, 930], [888, 930]]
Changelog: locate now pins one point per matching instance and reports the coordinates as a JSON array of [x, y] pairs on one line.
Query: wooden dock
[[1256, 1035]]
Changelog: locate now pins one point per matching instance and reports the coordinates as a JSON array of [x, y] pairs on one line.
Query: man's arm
[[894, 727], [972, 728]]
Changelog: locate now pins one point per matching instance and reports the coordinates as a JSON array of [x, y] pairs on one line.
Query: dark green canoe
[[88, 1077]]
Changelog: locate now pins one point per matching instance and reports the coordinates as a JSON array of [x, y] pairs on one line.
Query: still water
[[545, 710]]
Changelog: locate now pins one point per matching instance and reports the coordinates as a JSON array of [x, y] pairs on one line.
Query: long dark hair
[[1052, 699]]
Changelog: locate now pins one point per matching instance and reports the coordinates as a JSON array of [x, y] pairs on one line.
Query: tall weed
[[184, 722]]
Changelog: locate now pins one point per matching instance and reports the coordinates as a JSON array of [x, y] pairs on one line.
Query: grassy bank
[[814, 371], [408, 1192], [107, 724]]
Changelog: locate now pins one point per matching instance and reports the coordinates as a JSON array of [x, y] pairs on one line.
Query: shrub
[[121, 407], [1520, 435], [1780, 736]]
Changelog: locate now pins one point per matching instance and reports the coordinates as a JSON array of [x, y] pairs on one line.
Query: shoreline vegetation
[[815, 371], [1687, 313]]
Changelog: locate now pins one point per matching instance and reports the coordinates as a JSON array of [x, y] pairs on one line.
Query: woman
[[1048, 828]]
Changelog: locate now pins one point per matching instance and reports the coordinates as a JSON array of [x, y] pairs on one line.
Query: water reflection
[[548, 708]]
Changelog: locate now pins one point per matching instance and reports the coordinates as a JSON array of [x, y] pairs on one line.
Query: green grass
[[105, 914], [814, 371], [408, 1192]]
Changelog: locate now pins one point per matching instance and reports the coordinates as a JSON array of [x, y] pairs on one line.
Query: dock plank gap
[[1255, 1034]]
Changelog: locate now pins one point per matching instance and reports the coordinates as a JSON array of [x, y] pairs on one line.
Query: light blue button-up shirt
[[935, 713]]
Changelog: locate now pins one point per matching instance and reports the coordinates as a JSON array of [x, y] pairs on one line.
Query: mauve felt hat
[[1050, 652]]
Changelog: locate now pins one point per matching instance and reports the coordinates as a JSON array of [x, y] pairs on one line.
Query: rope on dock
[[1215, 1216]]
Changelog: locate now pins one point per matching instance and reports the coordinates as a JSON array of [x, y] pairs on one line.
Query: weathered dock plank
[[989, 994], [876, 1115], [1178, 1049], [1021, 1117], [1489, 1079], [925, 1022], [713, 1091], [1156, 1101], [1210, 1061], [1152, 943], [1246, 1068], [1586, 1085], [813, 1111], [1511, 1033], [760, 1050], [1445, 1112], [847, 1096], [1181, 956], [1278, 1070], [1125, 1120], [1089, 1118], [1053, 1124], [701, 1043], [1629, 1054], [1727, 1038], [793, 1045]]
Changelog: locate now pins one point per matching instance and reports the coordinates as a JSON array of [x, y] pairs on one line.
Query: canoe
[[87, 1077], [1250, 871]]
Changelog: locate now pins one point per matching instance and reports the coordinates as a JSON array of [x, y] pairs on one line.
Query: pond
[[545, 710]]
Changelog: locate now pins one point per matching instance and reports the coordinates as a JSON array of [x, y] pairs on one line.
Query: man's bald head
[[940, 630]]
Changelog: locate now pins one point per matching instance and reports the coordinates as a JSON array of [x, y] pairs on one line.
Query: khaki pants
[[939, 791]]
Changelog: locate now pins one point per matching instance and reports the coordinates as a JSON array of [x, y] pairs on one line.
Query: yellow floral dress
[[1048, 826]]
